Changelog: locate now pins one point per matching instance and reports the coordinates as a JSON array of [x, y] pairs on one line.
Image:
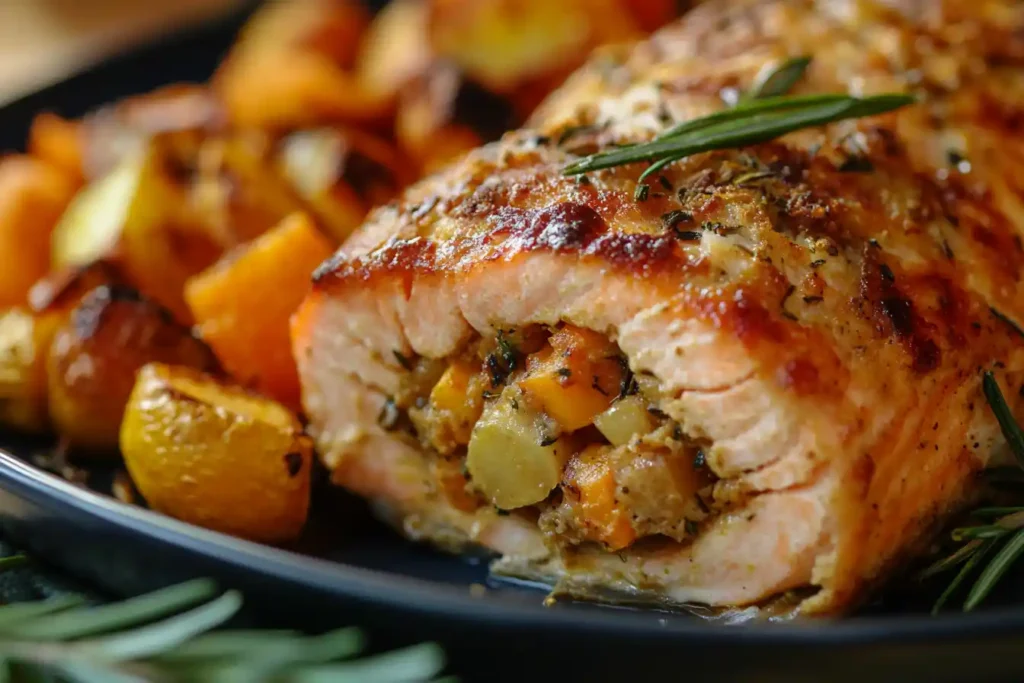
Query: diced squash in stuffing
[[453, 482], [212, 454], [577, 380], [627, 417], [94, 357], [243, 304], [512, 457], [591, 476], [33, 195]]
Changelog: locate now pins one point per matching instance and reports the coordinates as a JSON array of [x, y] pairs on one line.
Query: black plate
[[354, 571]]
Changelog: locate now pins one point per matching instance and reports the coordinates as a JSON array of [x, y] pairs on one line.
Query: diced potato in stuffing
[[94, 357], [211, 454], [243, 304], [33, 195]]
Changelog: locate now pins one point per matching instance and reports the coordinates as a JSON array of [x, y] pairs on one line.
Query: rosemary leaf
[[995, 512], [1011, 430], [754, 123], [79, 672], [87, 621], [153, 639], [979, 532], [962, 554], [419, 662], [964, 572], [780, 80], [1006, 556], [19, 614]]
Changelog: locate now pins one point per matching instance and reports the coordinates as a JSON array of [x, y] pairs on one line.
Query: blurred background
[[42, 41]]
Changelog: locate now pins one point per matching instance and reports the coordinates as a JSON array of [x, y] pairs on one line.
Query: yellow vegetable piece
[[626, 418], [214, 455], [24, 341], [510, 459]]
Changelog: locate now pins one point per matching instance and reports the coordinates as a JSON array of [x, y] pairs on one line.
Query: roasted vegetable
[[441, 115], [395, 50], [96, 353], [33, 195], [507, 44], [342, 174], [176, 118], [513, 459], [237, 191], [24, 341], [624, 420], [211, 454], [291, 68], [137, 217], [58, 142], [242, 305]]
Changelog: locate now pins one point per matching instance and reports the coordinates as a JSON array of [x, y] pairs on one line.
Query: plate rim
[[404, 593]]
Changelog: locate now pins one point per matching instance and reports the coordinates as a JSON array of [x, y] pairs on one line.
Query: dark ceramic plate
[[352, 570]]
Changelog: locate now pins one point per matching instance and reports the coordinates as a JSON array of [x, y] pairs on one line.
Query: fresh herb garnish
[[1004, 535], [748, 123], [778, 81], [642, 192], [169, 635], [1002, 318]]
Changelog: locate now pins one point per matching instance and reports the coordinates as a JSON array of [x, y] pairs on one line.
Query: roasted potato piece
[[59, 142], [211, 454], [33, 195], [176, 118], [61, 290], [24, 342], [441, 115], [506, 44], [97, 351], [342, 174], [238, 191], [243, 304], [291, 68], [137, 217], [396, 48]]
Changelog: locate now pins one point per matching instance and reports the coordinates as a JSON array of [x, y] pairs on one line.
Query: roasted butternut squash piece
[[33, 195], [576, 380], [243, 304], [395, 49], [453, 484], [212, 454], [95, 354]]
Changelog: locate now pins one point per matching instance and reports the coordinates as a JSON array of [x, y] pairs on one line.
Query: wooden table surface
[[44, 41]]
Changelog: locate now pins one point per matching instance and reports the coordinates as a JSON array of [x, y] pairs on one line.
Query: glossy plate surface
[[352, 570]]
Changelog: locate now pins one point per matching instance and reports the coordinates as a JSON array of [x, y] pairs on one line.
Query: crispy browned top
[[896, 233]]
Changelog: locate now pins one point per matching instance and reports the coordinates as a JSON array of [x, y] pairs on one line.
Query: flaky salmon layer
[[817, 311]]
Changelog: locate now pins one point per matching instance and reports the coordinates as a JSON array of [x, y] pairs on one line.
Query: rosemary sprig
[[759, 121], [168, 636], [1004, 534]]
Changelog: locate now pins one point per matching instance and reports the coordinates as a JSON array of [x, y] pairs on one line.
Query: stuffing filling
[[551, 424]]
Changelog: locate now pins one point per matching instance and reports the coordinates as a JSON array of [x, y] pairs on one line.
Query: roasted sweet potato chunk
[[243, 304], [96, 353], [33, 195], [212, 454]]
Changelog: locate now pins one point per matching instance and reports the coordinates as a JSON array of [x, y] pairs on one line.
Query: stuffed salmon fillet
[[758, 375]]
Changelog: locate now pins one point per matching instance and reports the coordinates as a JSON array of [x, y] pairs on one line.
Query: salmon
[[805, 321]]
